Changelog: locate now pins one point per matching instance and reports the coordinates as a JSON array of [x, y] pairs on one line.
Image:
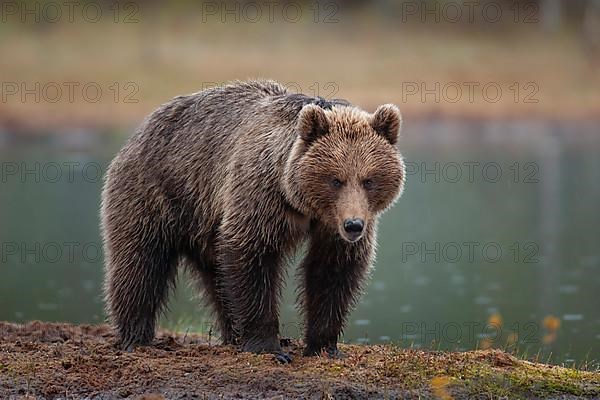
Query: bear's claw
[[283, 358], [336, 354], [330, 352]]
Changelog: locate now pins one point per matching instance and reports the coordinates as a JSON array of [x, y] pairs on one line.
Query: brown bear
[[230, 182]]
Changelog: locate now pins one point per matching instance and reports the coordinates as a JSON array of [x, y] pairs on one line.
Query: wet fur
[[229, 182]]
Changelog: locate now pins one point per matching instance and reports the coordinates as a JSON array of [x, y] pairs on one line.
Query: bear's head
[[345, 167]]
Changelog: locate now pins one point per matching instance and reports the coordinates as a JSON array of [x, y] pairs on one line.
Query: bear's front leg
[[252, 276], [332, 276]]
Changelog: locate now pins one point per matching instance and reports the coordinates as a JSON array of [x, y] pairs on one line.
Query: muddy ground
[[59, 361]]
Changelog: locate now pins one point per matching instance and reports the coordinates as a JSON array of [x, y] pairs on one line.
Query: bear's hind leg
[[137, 284], [206, 275]]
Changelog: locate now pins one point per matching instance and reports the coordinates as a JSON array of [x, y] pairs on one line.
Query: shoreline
[[33, 128]]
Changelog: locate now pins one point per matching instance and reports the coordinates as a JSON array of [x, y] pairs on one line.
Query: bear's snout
[[353, 229], [354, 225]]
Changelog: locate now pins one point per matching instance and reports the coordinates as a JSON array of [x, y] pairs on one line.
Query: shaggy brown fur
[[231, 181]]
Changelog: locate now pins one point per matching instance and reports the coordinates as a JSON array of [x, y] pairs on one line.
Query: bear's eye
[[368, 184], [336, 183]]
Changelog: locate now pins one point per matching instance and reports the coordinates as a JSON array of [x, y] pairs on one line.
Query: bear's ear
[[386, 121], [312, 123]]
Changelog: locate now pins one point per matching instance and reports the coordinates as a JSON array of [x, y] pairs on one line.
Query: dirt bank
[[58, 361]]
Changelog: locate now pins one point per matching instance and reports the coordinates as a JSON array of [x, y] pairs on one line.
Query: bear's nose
[[354, 225]]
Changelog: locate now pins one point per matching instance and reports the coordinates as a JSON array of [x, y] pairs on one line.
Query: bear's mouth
[[351, 237]]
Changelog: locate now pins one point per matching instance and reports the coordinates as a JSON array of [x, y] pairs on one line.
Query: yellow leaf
[[495, 319], [551, 323], [439, 387]]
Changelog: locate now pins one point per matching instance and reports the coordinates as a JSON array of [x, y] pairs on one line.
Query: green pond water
[[495, 242]]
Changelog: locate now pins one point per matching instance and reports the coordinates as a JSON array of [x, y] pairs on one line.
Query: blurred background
[[496, 241]]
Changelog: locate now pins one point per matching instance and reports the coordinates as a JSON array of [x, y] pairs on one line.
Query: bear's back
[[184, 157]]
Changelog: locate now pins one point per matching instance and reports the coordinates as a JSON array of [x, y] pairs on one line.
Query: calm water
[[495, 243]]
